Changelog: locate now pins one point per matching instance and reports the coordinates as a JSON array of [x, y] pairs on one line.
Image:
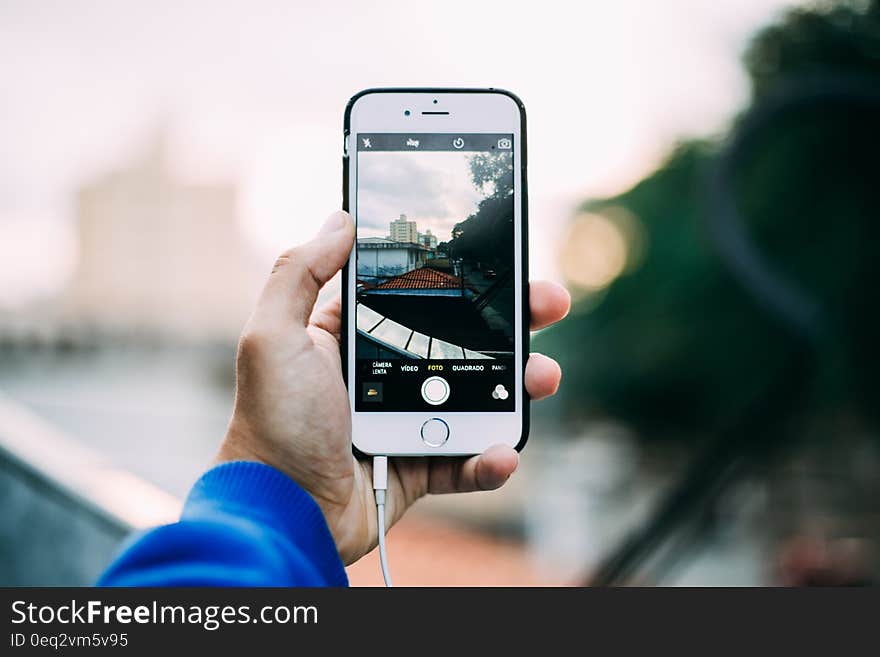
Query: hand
[[292, 408]]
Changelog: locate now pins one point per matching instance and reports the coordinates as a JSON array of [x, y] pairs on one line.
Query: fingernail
[[334, 222]]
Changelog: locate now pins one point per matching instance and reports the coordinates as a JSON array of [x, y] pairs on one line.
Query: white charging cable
[[380, 485]]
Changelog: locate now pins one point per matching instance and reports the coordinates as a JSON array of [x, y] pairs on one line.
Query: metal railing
[[65, 508]]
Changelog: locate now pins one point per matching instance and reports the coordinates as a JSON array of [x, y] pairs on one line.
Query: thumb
[[301, 272]]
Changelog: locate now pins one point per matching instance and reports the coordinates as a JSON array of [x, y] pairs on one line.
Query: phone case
[[526, 315]]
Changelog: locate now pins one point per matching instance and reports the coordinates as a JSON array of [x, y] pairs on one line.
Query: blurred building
[[428, 239], [401, 230], [158, 255]]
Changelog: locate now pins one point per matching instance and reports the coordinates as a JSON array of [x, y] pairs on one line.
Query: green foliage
[[843, 36], [679, 347], [487, 235], [493, 173]]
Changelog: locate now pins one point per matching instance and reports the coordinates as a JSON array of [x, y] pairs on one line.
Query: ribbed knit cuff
[[265, 495]]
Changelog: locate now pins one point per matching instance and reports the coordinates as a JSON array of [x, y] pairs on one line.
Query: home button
[[435, 432]]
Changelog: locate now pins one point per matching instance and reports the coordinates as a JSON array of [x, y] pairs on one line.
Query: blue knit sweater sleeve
[[243, 524]]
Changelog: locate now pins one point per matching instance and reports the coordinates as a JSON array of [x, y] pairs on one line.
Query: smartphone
[[435, 315]]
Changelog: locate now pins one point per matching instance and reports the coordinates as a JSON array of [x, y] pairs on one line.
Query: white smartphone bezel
[[399, 433]]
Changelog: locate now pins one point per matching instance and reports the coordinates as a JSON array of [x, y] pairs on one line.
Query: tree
[[492, 173], [487, 235], [678, 346]]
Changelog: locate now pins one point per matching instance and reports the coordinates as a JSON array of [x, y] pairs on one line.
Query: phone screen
[[435, 297]]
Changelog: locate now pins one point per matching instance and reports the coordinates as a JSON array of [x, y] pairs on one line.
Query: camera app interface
[[435, 272]]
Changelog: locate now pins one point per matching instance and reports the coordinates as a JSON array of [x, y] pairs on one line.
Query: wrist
[[235, 448], [266, 497], [239, 444]]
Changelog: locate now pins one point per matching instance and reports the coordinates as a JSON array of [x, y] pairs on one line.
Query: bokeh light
[[594, 252]]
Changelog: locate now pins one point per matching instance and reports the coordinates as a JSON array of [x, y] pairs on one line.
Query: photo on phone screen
[[435, 261]]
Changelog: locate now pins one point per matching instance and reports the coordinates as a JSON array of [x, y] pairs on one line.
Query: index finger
[[486, 471], [548, 303]]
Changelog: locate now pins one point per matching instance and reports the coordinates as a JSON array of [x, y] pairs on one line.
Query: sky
[[432, 188], [254, 91]]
